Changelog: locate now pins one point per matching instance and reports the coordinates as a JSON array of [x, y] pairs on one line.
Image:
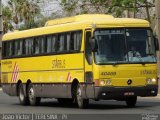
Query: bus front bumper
[[123, 92]]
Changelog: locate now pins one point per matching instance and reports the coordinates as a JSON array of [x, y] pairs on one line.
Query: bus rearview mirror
[[94, 45], [156, 43]]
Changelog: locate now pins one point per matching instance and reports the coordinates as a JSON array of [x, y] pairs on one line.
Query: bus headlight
[[148, 81], [151, 81], [154, 80], [102, 82], [108, 82]]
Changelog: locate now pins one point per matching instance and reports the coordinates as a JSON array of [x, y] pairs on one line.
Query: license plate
[[129, 93]]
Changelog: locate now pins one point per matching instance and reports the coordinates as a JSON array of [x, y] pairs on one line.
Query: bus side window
[[68, 38], [61, 38], [36, 45], [54, 43], [49, 44], [4, 49], [76, 38], [10, 53], [65, 42], [72, 41], [24, 47], [88, 51], [15, 48], [39, 45], [42, 44], [29, 46], [20, 48]]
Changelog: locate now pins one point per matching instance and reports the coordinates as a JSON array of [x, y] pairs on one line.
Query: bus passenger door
[[88, 66]]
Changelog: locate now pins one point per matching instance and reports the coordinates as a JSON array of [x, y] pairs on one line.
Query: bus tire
[[131, 101], [33, 100], [21, 94], [81, 102]]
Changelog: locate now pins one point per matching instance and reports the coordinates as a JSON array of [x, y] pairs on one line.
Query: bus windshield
[[124, 46]]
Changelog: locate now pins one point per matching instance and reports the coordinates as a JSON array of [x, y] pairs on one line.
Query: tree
[[7, 19], [16, 7], [69, 6], [74, 7], [118, 8], [158, 19], [30, 13], [115, 7], [24, 12]]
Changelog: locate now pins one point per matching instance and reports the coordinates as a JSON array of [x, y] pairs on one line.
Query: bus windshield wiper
[[150, 54], [118, 62], [141, 62]]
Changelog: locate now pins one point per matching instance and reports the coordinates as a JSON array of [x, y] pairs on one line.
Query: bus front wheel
[[22, 98], [81, 102], [131, 101], [33, 100]]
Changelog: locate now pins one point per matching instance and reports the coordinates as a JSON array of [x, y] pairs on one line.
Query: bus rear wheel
[[131, 101], [21, 94], [33, 100], [81, 102]]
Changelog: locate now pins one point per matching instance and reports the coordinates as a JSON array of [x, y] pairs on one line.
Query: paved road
[[144, 106]]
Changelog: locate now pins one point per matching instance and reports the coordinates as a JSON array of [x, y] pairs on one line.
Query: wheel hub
[[21, 95], [31, 94]]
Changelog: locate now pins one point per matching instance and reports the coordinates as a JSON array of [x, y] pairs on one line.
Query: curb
[[158, 96]]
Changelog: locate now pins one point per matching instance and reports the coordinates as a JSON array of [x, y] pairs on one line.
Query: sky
[[49, 6], [4, 1]]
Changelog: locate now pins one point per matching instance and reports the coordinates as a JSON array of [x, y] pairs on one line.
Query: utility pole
[[1, 32], [158, 18], [1, 25], [157, 4]]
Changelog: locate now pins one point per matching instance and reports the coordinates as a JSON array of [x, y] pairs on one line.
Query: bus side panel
[[51, 76]]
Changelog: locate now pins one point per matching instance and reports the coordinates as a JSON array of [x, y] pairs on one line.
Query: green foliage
[[21, 13], [69, 5], [118, 8], [25, 14], [30, 11], [7, 19]]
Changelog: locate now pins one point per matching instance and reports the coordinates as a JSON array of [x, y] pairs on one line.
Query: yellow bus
[[78, 58]]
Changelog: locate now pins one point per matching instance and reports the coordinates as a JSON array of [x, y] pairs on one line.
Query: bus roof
[[77, 23], [78, 18]]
